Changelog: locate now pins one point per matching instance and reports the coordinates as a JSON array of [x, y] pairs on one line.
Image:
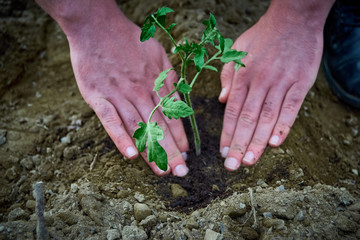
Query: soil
[[306, 189]]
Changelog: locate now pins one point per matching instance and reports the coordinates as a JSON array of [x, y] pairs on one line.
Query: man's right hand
[[115, 73]]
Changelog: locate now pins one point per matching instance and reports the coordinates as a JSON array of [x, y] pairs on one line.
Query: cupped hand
[[115, 73], [263, 99]]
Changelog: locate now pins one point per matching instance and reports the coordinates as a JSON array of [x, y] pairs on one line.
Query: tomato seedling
[[149, 134]]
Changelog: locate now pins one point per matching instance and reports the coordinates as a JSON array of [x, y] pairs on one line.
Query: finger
[[175, 158], [232, 111], [113, 125], [226, 77], [289, 110], [268, 117], [245, 127]]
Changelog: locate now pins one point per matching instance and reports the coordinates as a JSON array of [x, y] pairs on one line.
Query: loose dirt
[[306, 189]]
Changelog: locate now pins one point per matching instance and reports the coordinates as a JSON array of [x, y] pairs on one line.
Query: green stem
[[194, 126], [171, 38], [162, 99], [206, 63]]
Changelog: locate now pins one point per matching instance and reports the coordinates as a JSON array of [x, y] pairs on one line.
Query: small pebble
[[178, 191], [140, 197], [141, 211], [280, 188], [211, 235], [267, 215], [112, 234]]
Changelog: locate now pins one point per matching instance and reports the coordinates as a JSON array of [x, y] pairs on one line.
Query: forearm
[[309, 13], [75, 17]]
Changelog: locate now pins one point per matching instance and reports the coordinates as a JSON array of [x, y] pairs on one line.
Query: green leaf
[[141, 136], [211, 68], [147, 31], [171, 27], [221, 43], [184, 88], [155, 132], [156, 152], [232, 55], [199, 58], [176, 109], [212, 21], [159, 81], [163, 11], [237, 66], [210, 33], [228, 44]]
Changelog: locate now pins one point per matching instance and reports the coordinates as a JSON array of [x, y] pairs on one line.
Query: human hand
[[115, 73], [263, 99]]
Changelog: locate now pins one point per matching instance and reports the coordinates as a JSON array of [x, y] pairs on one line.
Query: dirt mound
[[308, 188]]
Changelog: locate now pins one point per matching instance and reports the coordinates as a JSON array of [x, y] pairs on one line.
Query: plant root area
[[306, 189]]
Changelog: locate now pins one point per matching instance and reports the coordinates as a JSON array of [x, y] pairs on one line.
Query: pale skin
[[115, 74]]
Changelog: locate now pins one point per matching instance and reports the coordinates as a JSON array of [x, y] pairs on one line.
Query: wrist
[[311, 14], [77, 18]]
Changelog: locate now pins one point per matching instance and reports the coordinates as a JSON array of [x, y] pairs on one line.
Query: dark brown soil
[[313, 175]]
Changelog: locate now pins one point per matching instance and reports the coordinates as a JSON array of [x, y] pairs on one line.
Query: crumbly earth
[[306, 189]]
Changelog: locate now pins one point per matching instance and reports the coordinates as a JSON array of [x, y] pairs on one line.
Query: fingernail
[[222, 93], [184, 155], [181, 170], [249, 156], [274, 140], [130, 152], [162, 171], [231, 163], [224, 152]]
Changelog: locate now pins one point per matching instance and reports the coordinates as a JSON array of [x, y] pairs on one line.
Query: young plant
[[149, 134]]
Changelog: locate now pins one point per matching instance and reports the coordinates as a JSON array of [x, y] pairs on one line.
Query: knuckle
[[238, 148], [231, 111], [267, 113], [248, 119], [257, 142]]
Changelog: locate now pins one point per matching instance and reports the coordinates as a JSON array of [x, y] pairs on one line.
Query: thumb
[[226, 77]]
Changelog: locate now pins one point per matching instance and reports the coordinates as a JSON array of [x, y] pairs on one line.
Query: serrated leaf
[[212, 21], [176, 109], [210, 68], [155, 132], [159, 81], [237, 66], [163, 11], [228, 44], [147, 31], [156, 152], [184, 88], [221, 43], [232, 55], [199, 58], [171, 27], [141, 136]]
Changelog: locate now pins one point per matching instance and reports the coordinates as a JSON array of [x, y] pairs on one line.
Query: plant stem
[[194, 126], [186, 95], [206, 63], [167, 32], [162, 99]]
